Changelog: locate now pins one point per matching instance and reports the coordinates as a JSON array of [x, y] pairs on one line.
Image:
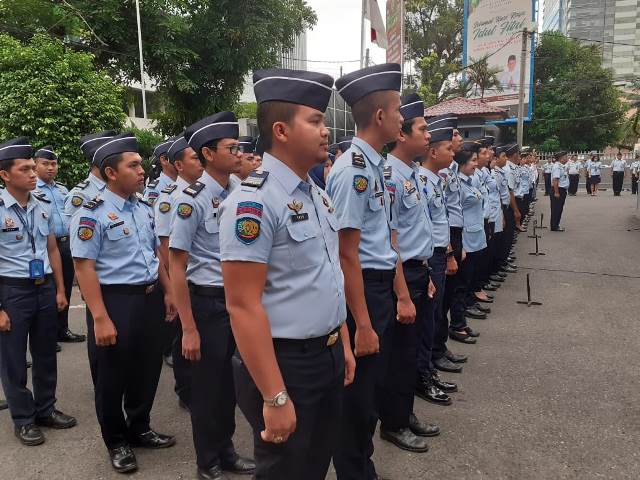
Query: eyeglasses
[[233, 149]]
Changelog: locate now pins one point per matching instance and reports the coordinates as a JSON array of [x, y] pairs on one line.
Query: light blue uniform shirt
[[618, 165], [495, 207], [154, 187], [452, 195], [56, 193], [195, 228], [594, 168], [82, 193], [291, 226], [473, 237], [163, 207], [356, 186], [547, 167], [560, 172], [410, 210], [522, 173], [15, 245], [437, 208], [119, 235], [479, 182], [503, 185]]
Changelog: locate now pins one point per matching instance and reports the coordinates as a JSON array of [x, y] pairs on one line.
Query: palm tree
[[481, 77]]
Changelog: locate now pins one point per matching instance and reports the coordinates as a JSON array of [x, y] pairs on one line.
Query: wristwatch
[[450, 254], [280, 400]]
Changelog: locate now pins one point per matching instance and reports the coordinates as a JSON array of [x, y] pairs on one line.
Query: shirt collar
[[434, 177], [10, 201], [116, 200], [181, 183], [211, 182], [287, 178], [41, 183], [373, 156], [464, 177], [406, 170], [97, 182], [164, 179]]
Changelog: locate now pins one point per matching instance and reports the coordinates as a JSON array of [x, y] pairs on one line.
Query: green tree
[[481, 78], [576, 105], [54, 95], [197, 52], [434, 43]]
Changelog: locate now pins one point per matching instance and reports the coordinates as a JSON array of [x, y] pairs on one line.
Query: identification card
[[36, 269]]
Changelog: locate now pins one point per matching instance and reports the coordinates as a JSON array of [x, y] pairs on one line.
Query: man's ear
[[280, 131], [379, 117], [207, 153], [4, 175]]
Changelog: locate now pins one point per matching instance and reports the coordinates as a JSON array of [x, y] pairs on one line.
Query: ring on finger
[[278, 439]]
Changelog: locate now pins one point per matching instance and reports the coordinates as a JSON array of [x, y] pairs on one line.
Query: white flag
[[378, 31]]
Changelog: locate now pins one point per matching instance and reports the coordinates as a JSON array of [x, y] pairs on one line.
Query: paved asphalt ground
[[550, 392]]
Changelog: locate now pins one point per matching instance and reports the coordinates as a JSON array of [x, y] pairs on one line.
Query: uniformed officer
[[195, 270], [502, 233], [249, 162], [587, 174], [343, 144], [411, 234], [93, 185], [573, 169], [47, 169], [473, 241], [187, 164], [284, 285], [514, 179], [31, 294], [356, 185], [433, 350], [114, 247], [547, 177], [618, 168], [560, 184], [320, 172], [167, 176], [635, 174], [595, 167]]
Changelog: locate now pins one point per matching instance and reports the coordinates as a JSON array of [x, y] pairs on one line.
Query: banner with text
[[394, 31]]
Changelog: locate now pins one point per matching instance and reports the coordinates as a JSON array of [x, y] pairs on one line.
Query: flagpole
[[401, 43], [362, 41]]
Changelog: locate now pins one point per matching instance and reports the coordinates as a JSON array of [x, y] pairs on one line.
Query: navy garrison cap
[[209, 129], [356, 85], [248, 144], [472, 145], [512, 149], [46, 152], [125, 142], [441, 128], [488, 141], [293, 86], [163, 148], [89, 143], [501, 149], [560, 154], [344, 143], [412, 106], [178, 145], [16, 148]]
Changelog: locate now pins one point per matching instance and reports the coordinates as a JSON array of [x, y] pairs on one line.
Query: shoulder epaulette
[[82, 185], [1, 201], [141, 199], [387, 172], [60, 184], [194, 189], [93, 204], [357, 160], [423, 178], [255, 179], [153, 183], [40, 196], [169, 188]]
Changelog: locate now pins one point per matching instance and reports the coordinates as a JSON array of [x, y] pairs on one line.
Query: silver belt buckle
[[150, 288], [333, 338]]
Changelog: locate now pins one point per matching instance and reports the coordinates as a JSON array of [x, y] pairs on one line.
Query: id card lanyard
[[36, 266]]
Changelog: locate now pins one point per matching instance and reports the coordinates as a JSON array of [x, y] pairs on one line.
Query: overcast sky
[[336, 36]]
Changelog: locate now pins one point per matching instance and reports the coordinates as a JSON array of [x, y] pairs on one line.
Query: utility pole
[[144, 96], [366, 59], [523, 72], [362, 40]]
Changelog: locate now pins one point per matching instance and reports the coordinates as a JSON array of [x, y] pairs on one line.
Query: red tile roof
[[465, 107]]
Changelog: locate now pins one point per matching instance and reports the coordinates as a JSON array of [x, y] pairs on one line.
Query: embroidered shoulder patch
[[360, 183], [86, 227], [184, 210], [247, 229], [357, 160], [194, 189], [249, 208], [255, 179], [76, 200], [164, 207]]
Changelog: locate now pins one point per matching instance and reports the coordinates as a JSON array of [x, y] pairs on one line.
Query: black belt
[[440, 250], [64, 239], [125, 289], [307, 344], [414, 263], [378, 275], [25, 282], [206, 291]]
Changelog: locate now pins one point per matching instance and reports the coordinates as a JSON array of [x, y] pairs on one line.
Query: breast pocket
[[303, 245], [118, 233], [375, 202], [43, 228], [477, 227], [410, 201], [11, 235], [453, 185]]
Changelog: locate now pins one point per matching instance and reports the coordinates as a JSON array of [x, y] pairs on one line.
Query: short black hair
[[180, 156], [7, 164], [463, 157], [407, 125], [364, 109], [511, 57], [111, 161], [213, 144], [270, 113]]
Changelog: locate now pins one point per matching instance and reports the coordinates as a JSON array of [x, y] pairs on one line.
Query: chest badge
[[112, 216], [215, 202], [9, 222], [295, 206]]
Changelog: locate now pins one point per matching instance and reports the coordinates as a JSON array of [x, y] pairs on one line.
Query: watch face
[[281, 400]]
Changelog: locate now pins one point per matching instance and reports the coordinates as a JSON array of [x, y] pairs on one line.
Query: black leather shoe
[[447, 387], [168, 360], [475, 313], [67, 336], [501, 275], [58, 348], [30, 435], [422, 429], [57, 420], [484, 300], [460, 337], [213, 473], [496, 278], [445, 365], [123, 460], [509, 269], [559, 229], [3, 404], [405, 439], [511, 258], [455, 358], [153, 440], [490, 288], [482, 308], [471, 332], [512, 265], [240, 466], [433, 394], [183, 405], [29, 364]]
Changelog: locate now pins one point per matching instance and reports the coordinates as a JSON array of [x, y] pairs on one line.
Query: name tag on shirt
[[300, 217]]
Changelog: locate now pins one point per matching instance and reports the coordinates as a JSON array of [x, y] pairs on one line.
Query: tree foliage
[[434, 43], [576, 105], [196, 51], [480, 77], [54, 95]]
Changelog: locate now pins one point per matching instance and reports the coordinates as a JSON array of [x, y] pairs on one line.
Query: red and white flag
[[378, 31]]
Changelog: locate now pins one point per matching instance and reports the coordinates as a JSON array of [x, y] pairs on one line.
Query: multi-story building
[[614, 24]]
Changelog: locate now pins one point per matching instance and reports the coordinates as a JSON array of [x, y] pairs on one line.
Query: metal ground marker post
[[542, 220], [537, 253], [529, 302], [535, 226]]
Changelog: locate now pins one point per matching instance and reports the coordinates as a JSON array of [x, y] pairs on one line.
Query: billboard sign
[[394, 31], [493, 29]]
